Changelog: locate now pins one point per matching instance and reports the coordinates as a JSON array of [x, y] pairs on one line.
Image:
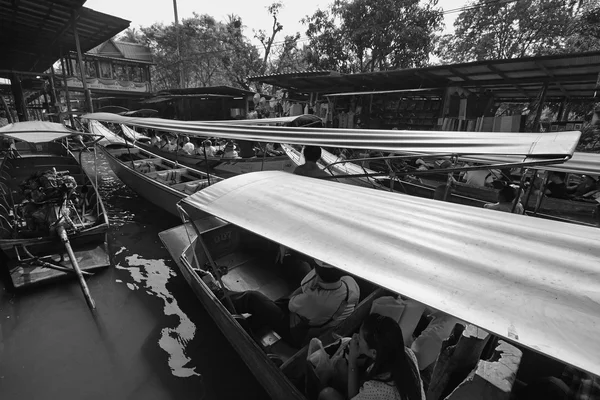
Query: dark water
[[149, 338]]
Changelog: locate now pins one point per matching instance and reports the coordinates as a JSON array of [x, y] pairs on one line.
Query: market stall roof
[[538, 145], [568, 75], [530, 280], [33, 32], [36, 131], [212, 90]]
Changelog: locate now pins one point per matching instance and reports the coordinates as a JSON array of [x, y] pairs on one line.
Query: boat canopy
[[533, 281], [538, 145], [580, 163], [110, 138], [37, 131]]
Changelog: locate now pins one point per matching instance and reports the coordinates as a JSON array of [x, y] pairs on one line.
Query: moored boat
[[47, 196], [503, 273], [158, 180]]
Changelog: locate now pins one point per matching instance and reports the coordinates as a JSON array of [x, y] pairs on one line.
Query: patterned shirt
[[377, 390]]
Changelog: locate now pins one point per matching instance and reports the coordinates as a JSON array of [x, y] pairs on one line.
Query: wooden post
[[17, 90], [492, 379], [540, 107], [459, 355], [53, 98], [88, 96], [67, 95]]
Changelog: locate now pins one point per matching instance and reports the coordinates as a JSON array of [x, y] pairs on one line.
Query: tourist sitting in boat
[[393, 372], [506, 196], [172, 146], [229, 151], [164, 143], [325, 297], [478, 177], [187, 146], [312, 154], [557, 187], [274, 149], [154, 140], [588, 184]]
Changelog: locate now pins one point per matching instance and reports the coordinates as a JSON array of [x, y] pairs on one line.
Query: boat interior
[[14, 171], [164, 171], [246, 261]]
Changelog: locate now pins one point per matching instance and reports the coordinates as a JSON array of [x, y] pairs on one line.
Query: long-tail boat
[[52, 220], [160, 181], [531, 282]]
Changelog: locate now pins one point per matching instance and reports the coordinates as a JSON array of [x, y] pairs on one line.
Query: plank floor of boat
[[246, 271], [89, 257]]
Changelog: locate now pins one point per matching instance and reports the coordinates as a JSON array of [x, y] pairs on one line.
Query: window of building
[[90, 69], [105, 69]]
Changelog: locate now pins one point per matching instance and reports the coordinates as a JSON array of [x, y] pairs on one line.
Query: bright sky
[[254, 13]]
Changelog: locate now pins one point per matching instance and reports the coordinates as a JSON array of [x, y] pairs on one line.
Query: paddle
[[62, 233]]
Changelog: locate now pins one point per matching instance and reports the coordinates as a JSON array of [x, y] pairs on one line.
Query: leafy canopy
[[370, 35]]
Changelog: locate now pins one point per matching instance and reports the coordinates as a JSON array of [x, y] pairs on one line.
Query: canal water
[[149, 338]]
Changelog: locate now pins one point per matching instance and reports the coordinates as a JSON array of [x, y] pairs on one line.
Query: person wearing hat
[[326, 296], [310, 168], [229, 151]]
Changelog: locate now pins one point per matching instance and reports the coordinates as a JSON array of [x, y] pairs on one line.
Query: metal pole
[[181, 74], [88, 96]]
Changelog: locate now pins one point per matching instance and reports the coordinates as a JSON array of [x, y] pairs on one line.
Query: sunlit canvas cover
[[464, 143], [36, 131], [534, 281]]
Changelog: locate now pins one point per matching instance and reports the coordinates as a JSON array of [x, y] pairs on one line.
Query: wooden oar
[[62, 233], [49, 265]]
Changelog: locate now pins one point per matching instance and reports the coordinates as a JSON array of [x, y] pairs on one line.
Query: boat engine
[[49, 197]]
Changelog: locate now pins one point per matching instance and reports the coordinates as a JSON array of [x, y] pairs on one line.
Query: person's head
[[557, 177], [207, 143], [312, 153], [327, 272], [186, 139], [506, 194], [381, 339]]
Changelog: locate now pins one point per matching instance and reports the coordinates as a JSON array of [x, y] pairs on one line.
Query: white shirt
[[319, 301], [478, 177], [188, 148]]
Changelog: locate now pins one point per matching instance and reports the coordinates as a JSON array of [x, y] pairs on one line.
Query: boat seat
[[193, 187], [168, 177], [144, 167]]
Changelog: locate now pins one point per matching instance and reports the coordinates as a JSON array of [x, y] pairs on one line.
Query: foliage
[[370, 35], [212, 53], [584, 31], [267, 39], [508, 29], [289, 57], [130, 35]]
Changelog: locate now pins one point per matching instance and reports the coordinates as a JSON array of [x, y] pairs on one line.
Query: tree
[[584, 32], [131, 35], [507, 29], [288, 57], [267, 39], [215, 53], [369, 35]]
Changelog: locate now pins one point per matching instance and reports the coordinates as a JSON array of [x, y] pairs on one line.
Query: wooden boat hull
[[157, 193], [151, 190], [228, 166], [266, 372]]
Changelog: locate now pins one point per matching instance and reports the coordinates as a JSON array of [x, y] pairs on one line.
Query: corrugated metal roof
[[213, 90], [134, 51], [33, 32], [567, 75]]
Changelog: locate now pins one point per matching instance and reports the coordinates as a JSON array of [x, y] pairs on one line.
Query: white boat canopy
[[37, 131], [580, 163], [110, 138], [538, 145], [530, 280]]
